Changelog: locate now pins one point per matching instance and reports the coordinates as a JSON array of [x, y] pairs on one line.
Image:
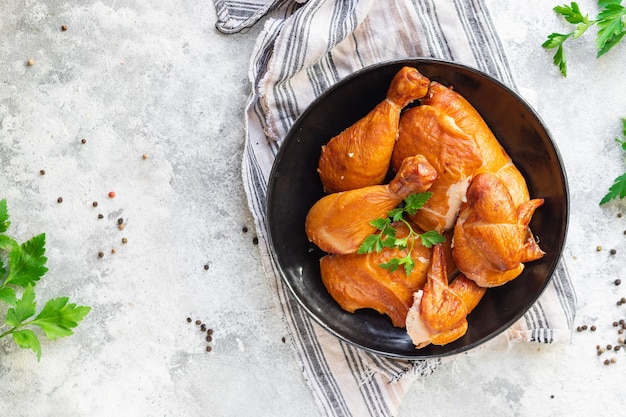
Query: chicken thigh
[[431, 132], [491, 237], [338, 223], [360, 155], [358, 281]]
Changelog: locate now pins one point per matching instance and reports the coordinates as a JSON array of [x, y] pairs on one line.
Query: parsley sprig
[[609, 21], [21, 267], [386, 237], [618, 189]]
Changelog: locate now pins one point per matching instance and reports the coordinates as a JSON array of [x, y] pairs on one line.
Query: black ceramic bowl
[[295, 186]]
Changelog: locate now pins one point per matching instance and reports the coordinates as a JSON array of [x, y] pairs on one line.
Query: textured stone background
[[155, 77]]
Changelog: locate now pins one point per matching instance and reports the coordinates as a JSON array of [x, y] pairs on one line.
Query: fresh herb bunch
[[21, 267], [387, 234], [618, 189], [609, 21]]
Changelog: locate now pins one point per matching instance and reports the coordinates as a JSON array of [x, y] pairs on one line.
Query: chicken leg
[[360, 155], [338, 223]]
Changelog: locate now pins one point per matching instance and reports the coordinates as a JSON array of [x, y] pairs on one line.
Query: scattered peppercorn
[[244, 229], [623, 300], [30, 62], [60, 200], [209, 331], [283, 339], [599, 248], [198, 322], [100, 254], [584, 327], [208, 348], [120, 220], [113, 251], [203, 327], [255, 240], [42, 172], [100, 216], [95, 204], [111, 194], [607, 362], [612, 251], [209, 338], [619, 214], [144, 156], [617, 347], [206, 267], [124, 240], [188, 319], [609, 347], [617, 281], [592, 328], [615, 324], [120, 226], [83, 141]]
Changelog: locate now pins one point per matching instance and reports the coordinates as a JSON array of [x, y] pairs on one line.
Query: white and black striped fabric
[[304, 48]]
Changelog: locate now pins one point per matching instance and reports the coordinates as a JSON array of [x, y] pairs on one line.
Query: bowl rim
[[414, 61]]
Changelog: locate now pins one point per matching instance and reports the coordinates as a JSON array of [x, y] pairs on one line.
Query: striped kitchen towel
[[304, 48]]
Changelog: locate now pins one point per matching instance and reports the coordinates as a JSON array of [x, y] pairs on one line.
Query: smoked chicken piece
[[491, 237], [358, 281], [431, 132], [466, 117], [439, 311], [360, 155], [338, 223]]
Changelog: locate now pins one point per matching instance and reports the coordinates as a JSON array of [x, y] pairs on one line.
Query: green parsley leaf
[[386, 238], [27, 339], [571, 13], [58, 317], [391, 265], [610, 27], [23, 310], [23, 265], [415, 202], [610, 23], [555, 40], [4, 216], [26, 262], [617, 190], [7, 295], [431, 238]]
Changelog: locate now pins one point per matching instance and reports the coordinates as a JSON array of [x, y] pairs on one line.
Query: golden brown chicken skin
[[360, 155], [358, 281], [453, 153], [439, 311], [491, 237], [338, 223]]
